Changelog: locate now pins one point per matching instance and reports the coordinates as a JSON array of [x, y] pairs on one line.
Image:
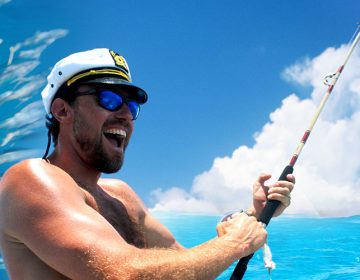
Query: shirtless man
[[60, 220]]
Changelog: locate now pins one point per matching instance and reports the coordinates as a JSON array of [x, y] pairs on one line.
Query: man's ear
[[61, 110]]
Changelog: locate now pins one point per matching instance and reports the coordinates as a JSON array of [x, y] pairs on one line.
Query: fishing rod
[[271, 205]]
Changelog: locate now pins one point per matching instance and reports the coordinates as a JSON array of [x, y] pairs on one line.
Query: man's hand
[[248, 235], [280, 191]]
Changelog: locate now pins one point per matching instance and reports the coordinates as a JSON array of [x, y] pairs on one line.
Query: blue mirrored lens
[[134, 108], [112, 101]]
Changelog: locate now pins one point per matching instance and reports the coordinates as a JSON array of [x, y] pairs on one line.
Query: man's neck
[[86, 176]]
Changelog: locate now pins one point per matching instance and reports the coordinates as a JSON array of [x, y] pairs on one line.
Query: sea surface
[[303, 248]]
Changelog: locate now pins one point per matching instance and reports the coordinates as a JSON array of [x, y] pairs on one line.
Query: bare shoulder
[[25, 167], [31, 174], [18, 176], [31, 184]]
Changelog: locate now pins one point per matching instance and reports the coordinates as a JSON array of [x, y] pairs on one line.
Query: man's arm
[[43, 207]]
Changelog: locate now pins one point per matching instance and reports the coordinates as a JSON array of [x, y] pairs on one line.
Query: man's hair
[[67, 94]]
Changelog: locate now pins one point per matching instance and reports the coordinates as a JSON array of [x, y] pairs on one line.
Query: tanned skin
[[60, 220]]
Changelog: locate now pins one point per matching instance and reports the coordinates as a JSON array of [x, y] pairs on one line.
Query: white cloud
[[17, 71], [311, 73], [41, 39], [46, 37], [18, 84], [20, 133], [328, 171], [30, 49], [27, 115], [177, 198], [25, 92], [17, 155]]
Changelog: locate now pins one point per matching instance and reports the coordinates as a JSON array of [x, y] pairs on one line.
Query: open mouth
[[115, 136]]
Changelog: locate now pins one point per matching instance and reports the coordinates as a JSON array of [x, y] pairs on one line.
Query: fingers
[[238, 217], [260, 183], [291, 178], [263, 177], [281, 191], [245, 231], [235, 219], [284, 199]]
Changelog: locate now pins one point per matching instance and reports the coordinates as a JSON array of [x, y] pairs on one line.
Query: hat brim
[[135, 92]]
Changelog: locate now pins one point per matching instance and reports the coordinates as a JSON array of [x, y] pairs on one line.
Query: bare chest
[[121, 213]]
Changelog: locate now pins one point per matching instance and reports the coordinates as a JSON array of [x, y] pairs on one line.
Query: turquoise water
[[3, 275], [303, 248]]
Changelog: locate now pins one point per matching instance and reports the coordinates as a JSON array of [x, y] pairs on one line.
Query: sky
[[232, 87]]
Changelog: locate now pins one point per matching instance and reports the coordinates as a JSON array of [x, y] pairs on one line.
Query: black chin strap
[[49, 124], [48, 145]]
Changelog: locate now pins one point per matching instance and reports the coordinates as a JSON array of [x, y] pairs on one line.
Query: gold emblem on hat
[[119, 60]]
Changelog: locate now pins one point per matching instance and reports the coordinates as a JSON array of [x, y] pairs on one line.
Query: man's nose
[[124, 112]]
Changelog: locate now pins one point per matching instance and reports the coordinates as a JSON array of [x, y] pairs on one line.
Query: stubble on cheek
[[82, 135], [91, 146]]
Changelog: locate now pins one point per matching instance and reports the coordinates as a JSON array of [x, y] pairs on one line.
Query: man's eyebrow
[[87, 88]]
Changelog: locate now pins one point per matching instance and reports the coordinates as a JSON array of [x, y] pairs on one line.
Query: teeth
[[119, 132]]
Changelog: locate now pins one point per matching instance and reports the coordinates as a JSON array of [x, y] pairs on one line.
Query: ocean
[[302, 248]]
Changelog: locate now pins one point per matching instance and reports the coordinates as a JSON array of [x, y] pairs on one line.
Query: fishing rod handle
[[265, 218], [271, 205], [240, 268]]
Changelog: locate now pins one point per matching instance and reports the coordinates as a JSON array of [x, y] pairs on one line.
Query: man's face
[[101, 136]]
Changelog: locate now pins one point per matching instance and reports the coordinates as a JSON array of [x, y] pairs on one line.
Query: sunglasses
[[113, 101]]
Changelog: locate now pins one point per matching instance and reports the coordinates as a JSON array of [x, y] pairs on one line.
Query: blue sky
[[214, 71]]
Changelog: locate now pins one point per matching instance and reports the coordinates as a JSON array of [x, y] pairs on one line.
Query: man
[[60, 220]]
